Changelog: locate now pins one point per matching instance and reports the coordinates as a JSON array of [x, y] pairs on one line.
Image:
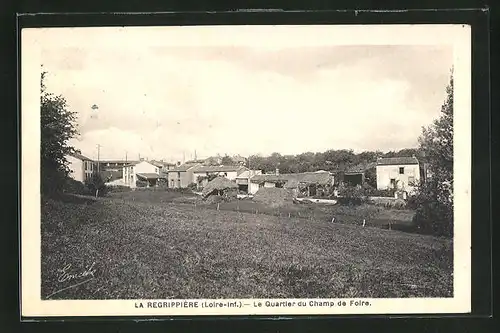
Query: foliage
[[141, 183], [227, 160], [58, 126], [75, 187], [96, 185], [330, 160], [351, 195], [192, 186], [434, 199]]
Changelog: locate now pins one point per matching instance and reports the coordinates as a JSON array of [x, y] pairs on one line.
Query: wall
[[186, 178], [253, 188], [268, 184], [76, 167], [386, 172], [129, 177]]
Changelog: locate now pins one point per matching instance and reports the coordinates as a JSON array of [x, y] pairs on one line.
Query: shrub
[[97, 186], [141, 183], [119, 188], [351, 195], [193, 186], [75, 187]]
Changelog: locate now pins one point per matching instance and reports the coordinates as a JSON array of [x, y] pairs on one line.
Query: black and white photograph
[[246, 170]]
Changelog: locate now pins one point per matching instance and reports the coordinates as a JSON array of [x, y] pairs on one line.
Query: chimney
[[277, 171]]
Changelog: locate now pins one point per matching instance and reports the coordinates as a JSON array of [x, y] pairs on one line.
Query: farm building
[[201, 173], [181, 176], [220, 186], [305, 184], [81, 167], [399, 173], [356, 175], [243, 181], [141, 171]]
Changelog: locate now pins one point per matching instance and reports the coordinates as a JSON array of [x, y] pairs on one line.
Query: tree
[[227, 160], [434, 199], [98, 187], [58, 126]]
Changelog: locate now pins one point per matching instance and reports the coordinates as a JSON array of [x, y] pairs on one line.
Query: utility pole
[[195, 157], [98, 156], [126, 157]]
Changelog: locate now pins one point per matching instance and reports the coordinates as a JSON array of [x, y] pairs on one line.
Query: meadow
[[132, 246]]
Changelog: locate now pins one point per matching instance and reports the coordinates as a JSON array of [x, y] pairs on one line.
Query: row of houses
[[398, 172]]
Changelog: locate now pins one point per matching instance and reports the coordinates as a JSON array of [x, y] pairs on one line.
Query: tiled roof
[[293, 179], [397, 160], [148, 175], [220, 168], [183, 167], [360, 168], [81, 157]]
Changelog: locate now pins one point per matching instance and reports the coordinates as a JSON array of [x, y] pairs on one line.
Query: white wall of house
[[253, 188], [269, 184], [403, 175], [130, 172], [76, 168], [80, 170]]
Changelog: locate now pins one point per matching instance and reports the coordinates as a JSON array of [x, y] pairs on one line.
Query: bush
[[193, 186], [141, 183], [434, 214], [75, 187], [119, 188], [97, 186], [351, 195]]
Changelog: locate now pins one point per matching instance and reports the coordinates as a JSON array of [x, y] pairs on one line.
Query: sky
[[166, 100]]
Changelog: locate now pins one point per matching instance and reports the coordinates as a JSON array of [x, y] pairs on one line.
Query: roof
[[115, 161], [397, 160], [80, 157], [293, 179], [156, 163], [149, 175], [183, 167], [360, 168], [218, 183], [219, 168], [249, 173]]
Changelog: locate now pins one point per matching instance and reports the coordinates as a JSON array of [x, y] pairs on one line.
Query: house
[[306, 183], [81, 167], [243, 181], [142, 171], [201, 173], [181, 176], [400, 173]]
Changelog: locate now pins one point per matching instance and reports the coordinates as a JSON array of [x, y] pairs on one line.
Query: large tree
[[58, 126], [434, 199]]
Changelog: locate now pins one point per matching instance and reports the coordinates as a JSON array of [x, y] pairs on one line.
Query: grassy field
[[377, 216], [138, 249]]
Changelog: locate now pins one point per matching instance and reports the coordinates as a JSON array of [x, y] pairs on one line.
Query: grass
[[166, 250]]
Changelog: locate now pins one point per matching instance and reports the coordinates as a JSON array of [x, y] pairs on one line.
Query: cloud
[[166, 102]]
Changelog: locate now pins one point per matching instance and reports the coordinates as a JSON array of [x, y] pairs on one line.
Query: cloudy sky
[[164, 101]]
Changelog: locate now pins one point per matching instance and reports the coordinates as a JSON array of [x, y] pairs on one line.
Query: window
[[393, 182], [156, 170], [401, 170], [178, 175]]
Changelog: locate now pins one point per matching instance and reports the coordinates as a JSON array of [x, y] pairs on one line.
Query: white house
[[81, 167], [144, 171], [201, 172], [401, 173]]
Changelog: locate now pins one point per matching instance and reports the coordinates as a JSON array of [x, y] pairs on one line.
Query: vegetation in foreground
[[152, 250]]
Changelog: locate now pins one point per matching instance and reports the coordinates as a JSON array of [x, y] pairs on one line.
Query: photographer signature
[[66, 274]]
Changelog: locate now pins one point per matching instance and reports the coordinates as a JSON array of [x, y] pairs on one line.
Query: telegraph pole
[[98, 156]]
